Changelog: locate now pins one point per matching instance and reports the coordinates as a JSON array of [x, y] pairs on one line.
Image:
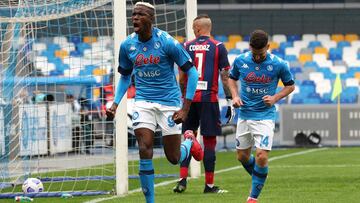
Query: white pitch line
[[217, 172]]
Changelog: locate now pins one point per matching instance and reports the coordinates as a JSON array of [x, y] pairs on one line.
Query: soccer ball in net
[[32, 185]]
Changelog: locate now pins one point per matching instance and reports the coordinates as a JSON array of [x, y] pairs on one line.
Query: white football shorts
[[255, 132], [155, 116]]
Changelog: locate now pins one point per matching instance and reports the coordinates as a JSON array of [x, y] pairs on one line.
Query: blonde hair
[[146, 4]]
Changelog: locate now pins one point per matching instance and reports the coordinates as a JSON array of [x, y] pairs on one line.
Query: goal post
[[121, 145]]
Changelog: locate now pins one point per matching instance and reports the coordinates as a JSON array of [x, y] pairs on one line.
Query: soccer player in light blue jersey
[[259, 73], [149, 54]]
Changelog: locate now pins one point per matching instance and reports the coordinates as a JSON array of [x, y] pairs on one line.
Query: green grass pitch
[[321, 175]]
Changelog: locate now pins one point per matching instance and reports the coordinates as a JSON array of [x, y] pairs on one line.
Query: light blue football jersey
[[152, 64], [258, 80]]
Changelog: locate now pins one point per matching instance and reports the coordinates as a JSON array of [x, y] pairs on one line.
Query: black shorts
[[205, 113]]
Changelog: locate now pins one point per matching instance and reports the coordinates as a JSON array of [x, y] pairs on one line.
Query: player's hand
[[237, 102], [269, 100], [179, 116], [230, 113], [110, 112]]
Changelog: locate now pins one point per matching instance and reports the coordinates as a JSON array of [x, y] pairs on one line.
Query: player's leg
[[144, 128], [175, 151], [191, 123], [145, 139], [263, 135], [244, 143], [210, 128]]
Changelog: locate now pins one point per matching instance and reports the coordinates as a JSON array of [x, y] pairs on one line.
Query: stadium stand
[[313, 59]]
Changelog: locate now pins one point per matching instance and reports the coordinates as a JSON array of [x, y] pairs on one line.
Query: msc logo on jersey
[[141, 59], [171, 122], [149, 74], [253, 90], [269, 68], [199, 47]]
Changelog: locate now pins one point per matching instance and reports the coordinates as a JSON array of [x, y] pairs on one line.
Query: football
[[32, 185]]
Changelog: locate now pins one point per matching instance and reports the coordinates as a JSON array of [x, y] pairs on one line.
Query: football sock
[[185, 150], [146, 174], [258, 179], [209, 159], [249, 166]]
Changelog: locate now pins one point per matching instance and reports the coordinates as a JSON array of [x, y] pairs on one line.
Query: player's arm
[[182, 79], [289, 86], [224, 66], [183, 60], [232, 82], [125, 69]]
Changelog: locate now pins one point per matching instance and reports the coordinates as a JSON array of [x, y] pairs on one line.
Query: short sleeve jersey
[[258, 80], [152, 64], [210, 57]]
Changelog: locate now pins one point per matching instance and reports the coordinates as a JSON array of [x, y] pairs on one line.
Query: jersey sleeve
[[285, 74], [177, 53], [223, 58], [234, 71], [125, 65]]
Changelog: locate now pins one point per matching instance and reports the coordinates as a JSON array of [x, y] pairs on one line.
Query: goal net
[[56, 80]]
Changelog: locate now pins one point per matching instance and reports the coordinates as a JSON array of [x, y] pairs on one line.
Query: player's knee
[[145, 151], [173, 160], [262, 158], [243, 157]]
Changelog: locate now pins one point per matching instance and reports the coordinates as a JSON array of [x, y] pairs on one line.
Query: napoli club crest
[[157, 45], [269, 68]]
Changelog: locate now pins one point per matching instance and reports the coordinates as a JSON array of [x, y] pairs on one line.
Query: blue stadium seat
[[348, 100], [305, 90], [312, 101], [335, 54], [308, 82], [235, 51], [56, 73], [76, 53], [351, 91], [246, 38], [291, 38], [326, 101], [314, 44], [82, 46], [75, 39], [343, 44], [295, 70], [281, 101], [53, 47], [290, 58], [48, 53], [284, 45], [314, 95], [309, 64], [221, 38], [297, 100]]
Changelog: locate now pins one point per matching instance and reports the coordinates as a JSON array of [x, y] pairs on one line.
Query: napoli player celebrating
[[210, 58], [149, 54], [259, 73]]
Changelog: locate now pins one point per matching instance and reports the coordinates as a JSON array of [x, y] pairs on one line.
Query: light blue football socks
[[147, 177], [258, 179]]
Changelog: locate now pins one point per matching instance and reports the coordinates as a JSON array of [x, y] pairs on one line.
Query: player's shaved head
[[202, 25], [258, 39], [204, 21]]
